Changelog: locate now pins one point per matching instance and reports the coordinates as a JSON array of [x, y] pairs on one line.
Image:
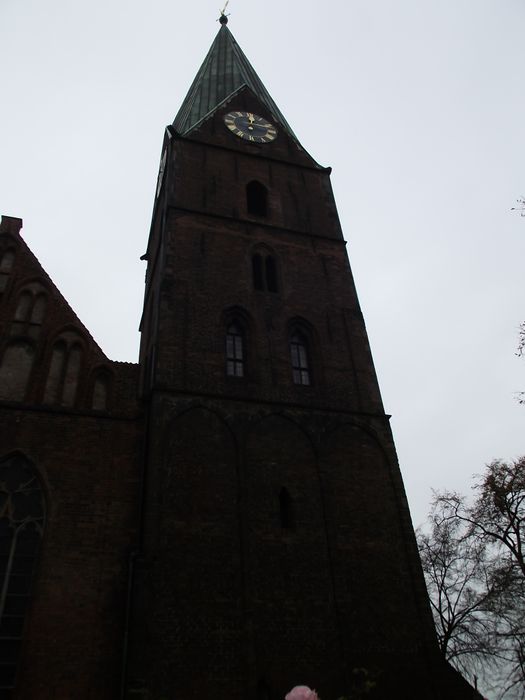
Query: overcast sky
[[418, 105]]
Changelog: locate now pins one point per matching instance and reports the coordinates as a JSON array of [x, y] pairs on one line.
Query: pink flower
[[302, 692]]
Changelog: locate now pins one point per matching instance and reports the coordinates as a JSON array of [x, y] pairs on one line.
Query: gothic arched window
[[257, 269], [99, 399], [22, 520], [64, 371], [30, 310], [271, 274], [235, 359], [256, 199], [15, 369], [264, 270], [300, 358]]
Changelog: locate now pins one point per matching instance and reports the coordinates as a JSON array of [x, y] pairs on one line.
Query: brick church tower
[[226, 519], [277, 546]]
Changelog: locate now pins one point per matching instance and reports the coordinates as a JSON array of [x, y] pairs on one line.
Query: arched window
[[64, 371], [271, 274], [99, 399], [30, 310], [15, 369], [257, 267], [264, 269], [256, 199], [300, 360], [286, 510], [23, 308], [39, 309], [6, 260], [235, 350], [22, 520]]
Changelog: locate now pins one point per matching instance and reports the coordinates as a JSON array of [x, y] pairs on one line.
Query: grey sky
[[417, 105]]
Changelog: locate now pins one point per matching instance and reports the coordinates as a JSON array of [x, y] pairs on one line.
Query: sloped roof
[[224, 71]]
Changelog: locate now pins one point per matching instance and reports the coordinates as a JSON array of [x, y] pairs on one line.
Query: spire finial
[[223, 19]]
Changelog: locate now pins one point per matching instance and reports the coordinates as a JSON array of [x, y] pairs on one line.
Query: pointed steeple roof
[[225, 70]]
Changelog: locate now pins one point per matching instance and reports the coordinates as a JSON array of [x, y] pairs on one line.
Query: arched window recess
[[256, 199], [235, 350], [300, 357], [265, 271]]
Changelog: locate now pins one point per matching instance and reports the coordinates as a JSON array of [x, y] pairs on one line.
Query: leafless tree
[[474, 561], [457, 573]]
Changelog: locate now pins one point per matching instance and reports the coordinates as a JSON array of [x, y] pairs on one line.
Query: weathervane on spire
[[223, 19]]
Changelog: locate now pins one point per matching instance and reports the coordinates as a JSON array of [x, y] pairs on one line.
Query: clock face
[[250, 127]]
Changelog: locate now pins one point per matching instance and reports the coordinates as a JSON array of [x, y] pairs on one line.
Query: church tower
[[276, 542]]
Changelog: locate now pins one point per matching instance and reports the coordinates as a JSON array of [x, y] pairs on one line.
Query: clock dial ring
[[250, 127]]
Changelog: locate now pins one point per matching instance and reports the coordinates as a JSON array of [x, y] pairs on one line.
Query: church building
[[226, 518]]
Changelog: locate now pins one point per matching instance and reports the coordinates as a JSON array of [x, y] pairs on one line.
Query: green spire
[[225, 70]]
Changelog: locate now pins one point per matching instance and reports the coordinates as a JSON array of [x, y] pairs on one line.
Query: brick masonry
[[210, 536]]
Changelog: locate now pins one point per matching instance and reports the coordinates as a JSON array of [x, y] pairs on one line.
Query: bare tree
[[474, 562], [458, 580]]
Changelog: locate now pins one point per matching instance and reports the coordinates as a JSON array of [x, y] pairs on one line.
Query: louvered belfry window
[[22, 519], [234, 351]]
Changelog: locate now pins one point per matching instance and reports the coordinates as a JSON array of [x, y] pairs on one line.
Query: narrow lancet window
[[234, 351], [299, 356]]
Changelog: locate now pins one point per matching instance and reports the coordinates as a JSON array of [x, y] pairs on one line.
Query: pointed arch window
[[64, 371], [265, 273], [22, 521], [300, 358], [256, 199], [271, 274], [235, 351], [15, 370], [30, 310], [99, 398], [257, 269]]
